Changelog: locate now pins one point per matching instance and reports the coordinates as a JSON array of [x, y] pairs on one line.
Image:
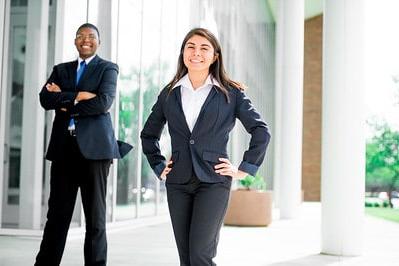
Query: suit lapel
[[208, 99], [89, 69], [72, 71], [210, 96], [177, 92]]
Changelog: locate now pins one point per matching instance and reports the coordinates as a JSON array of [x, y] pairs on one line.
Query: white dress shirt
[[192, 100], [87, 61]]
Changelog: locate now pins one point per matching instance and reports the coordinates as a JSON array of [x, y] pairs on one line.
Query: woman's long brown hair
[[216, 69]]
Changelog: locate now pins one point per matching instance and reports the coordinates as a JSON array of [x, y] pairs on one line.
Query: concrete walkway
[[283, 243]]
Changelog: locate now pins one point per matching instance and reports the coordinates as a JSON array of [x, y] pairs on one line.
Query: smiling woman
[[200, 106], [198, 56]]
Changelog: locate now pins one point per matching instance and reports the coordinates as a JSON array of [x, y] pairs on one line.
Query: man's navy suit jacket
[[200, 150], [94, 131]]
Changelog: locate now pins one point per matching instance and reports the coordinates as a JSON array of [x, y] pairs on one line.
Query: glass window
[[147, 67], [161, 32], [129, 35], [14, 110], [151, 86]]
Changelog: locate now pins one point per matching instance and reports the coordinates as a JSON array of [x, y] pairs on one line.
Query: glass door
[[13, 120]]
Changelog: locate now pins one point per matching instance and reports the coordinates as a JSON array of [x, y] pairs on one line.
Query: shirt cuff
[[158, 169], [249, 168]]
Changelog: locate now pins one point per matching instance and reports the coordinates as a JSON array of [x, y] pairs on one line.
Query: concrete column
[[289, 105], [343, 143], [70, 14], [4, 10], [107, 11], [33, 116], [140, 119]]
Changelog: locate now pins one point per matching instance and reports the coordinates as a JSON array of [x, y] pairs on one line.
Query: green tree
[[382, 160]]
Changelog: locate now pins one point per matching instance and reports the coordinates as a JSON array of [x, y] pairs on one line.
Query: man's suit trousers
[[67, 175]]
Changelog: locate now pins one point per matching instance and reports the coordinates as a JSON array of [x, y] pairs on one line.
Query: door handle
[[5, 154]]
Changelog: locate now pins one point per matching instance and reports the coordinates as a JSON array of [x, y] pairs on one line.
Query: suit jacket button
[[192, 141]]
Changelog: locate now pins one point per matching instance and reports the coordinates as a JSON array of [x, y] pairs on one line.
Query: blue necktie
[[81, 69], [79, 73]]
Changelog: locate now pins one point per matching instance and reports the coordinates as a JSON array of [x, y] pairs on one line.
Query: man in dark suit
[[82, 146]]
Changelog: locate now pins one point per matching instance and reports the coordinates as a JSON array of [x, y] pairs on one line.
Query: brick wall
[[311, 149]]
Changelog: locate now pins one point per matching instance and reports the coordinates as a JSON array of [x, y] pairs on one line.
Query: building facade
[[143, 38]]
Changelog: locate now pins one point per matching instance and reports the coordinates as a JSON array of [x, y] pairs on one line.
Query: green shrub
[[253, 182]]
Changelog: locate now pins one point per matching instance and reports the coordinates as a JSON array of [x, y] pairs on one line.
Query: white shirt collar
[[185, 82], [87, 60]]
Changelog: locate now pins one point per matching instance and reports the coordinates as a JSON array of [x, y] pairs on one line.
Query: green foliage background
[[382, 160]]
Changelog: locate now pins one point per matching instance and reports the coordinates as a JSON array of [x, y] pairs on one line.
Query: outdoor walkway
[[283, 243]]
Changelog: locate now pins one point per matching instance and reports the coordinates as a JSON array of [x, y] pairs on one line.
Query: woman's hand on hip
[[166, 170], [228, 169]]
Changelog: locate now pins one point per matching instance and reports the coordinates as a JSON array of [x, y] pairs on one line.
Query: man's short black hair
[[88, 25]]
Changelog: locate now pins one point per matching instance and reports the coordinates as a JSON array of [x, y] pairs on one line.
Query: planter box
[[249, 208]]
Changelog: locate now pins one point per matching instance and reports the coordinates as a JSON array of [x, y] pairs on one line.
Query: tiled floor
[[283, 243]]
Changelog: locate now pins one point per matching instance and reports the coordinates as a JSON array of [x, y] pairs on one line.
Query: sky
[[382, 61]]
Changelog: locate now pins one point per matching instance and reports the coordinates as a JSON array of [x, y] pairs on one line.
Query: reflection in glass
[[150, 78], [149, 67], [13, 122], [17, 92], [128, 87]]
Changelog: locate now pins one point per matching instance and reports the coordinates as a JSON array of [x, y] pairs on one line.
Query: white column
[[70, 14], [343, 143], [4, 9], [33, 116], [289, 105], [107, 11], [140, 119]]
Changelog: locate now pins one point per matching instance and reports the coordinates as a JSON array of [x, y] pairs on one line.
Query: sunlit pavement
[[283, 243]]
